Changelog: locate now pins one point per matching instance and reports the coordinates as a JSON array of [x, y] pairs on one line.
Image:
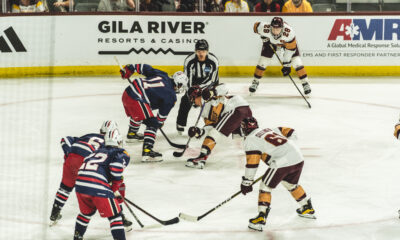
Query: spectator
[[116, 5], [194, 6], [212, 5], [236, 6], [267, 6], [150, 6], [297, 6], [28, 6], [187, 6], [59, 5]]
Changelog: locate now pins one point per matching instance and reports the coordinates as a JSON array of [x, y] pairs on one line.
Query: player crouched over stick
[[142, 96], [93, 189], [277, 149], [222, 115], [279, 34]]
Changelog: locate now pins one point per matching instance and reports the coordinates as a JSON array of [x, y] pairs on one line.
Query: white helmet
[[181, 81], [109, 124], [113, 138]]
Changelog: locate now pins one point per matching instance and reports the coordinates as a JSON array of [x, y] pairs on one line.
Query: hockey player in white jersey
[[279, 35], [277, 149], [222, 115], [397, 130]]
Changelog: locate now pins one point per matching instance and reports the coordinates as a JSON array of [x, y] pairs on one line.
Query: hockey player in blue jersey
[[155, 92], [75, 150], [93, 189]]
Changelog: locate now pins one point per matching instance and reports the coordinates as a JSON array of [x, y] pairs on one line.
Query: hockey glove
[[195, 132], [286, 68], [115, 185], [265, 39], [127, 71], [246, 185], [208, 94]]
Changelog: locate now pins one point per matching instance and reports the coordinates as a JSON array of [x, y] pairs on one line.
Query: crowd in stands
[[230, 6]]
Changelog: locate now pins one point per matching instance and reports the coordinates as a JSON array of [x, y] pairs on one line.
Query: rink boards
[[330, 45]]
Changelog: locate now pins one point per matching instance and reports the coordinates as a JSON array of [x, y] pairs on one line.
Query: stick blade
[[187, 217], [172, 221], [178, 154]]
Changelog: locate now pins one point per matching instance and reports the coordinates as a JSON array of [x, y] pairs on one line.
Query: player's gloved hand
[[127, 71], [246, 185], [286, 68], [115, 185], [195, 132], [208, 94], [264, 39]]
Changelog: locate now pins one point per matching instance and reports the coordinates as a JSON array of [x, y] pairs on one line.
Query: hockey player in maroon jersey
[[397, 130], [93, 189], [276, 148], [279, 35]]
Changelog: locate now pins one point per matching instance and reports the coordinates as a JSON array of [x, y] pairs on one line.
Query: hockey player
[[279, 35], [222, 114], [201, 67], [156, 91], [276, 148], [93, 189], [75, 150], [397, 130]]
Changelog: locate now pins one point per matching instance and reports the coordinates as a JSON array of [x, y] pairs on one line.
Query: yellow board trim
[[225, 71]]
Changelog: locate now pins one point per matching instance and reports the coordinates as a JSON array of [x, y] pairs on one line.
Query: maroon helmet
[[277, 22], [248, 125], [193, 93]]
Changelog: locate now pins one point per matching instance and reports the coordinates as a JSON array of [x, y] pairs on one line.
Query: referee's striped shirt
[[201, 73]]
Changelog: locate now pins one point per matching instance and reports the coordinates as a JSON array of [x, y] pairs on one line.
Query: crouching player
[[93, 189], [277, 149], [222, 115], [75, 150], [155, 92]]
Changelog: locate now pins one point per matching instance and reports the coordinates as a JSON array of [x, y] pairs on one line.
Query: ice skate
[[77, 236], [134, 137], [307, 88], [253, 86], [55, 215], [180, 129], [306, 211], [148, 155], [198, 162], [258, 222], [127, 223]]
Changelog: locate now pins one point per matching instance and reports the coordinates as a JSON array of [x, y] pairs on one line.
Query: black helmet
[[201, 44]]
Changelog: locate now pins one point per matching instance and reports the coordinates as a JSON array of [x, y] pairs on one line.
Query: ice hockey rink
[[351, 172]]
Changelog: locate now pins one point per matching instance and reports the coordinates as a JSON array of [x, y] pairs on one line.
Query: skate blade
[[133, 140], [128, 229], [151, 160], [256, 227], [309, 216], [197, 166], [53, 223]]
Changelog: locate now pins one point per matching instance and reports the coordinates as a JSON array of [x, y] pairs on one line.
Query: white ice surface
[[351, 169]]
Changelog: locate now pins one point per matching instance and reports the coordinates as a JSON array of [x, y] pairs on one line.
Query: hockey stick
[[179, 154], [133, 214], [191, 218], [171, 143], [167, 222], [309, 105]]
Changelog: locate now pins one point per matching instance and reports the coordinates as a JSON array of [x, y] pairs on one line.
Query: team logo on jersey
[[365, 29], [14, 40], [207, 70]]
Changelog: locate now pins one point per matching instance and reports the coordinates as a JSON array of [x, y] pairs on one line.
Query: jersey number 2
[[92, 164]]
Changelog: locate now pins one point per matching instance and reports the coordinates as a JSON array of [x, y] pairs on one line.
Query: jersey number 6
[[275, 139]]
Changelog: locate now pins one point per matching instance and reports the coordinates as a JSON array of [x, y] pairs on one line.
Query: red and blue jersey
[[99, 169], [156, 90], [83, 146]]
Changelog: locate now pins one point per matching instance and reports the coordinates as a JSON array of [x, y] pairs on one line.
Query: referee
[[201, 67]]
